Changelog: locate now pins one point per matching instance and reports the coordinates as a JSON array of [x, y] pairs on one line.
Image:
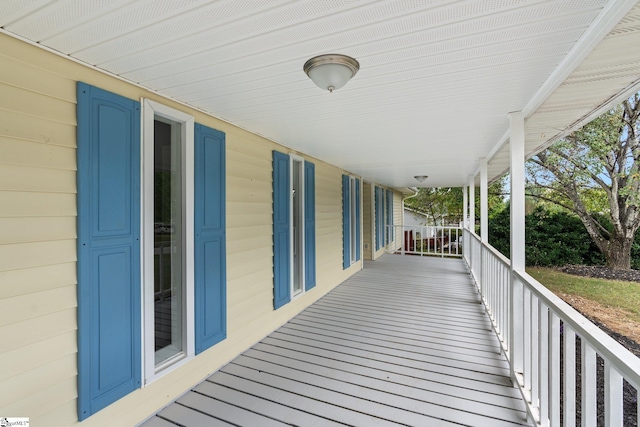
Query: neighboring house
[[413, 217]]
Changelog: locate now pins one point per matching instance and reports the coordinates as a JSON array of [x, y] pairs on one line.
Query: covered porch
[[449, 94], [406, 341]]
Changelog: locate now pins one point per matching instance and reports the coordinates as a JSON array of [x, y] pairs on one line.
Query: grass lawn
[[607, 298]]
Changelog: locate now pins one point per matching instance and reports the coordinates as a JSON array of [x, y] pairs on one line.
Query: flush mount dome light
[[420, 178], [331, 71]]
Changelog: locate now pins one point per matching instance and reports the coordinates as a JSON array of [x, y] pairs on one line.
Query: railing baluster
[[589, 410], [569, 372], [543, 370], [527, 342], [612, 396], [554, 371], [535, 352], [504, 298]]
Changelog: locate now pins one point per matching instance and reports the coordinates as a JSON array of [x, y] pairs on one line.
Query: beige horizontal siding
[[248, 230], [25, 204], [34, 104], [33, 229], [41, 327], [251, 268], [240, 219], [25, 359], [36, 279], [65, 411], [28, 306], [40, 154], [244, 286], [29, 128], [28, 178], [38, 242], [46, 399], [23, 75], [20, 387], [37, 254]]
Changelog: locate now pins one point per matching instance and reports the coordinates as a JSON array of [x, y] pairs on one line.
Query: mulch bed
[[601, 272], [629, 393]]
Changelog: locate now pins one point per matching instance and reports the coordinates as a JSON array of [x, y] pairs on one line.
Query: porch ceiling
[[437, 79]]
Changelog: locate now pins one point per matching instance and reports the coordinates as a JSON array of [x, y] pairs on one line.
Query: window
[[167, 237], [350, 220], [293, 227], [296, 230], [153, 228]]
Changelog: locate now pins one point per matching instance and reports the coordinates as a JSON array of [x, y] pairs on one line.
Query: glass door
[[297, 205], [168, 241]]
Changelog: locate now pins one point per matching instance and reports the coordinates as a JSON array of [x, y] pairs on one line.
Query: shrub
[[552, 238]]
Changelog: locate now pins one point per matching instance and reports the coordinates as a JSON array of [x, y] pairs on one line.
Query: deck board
[[404, 342]]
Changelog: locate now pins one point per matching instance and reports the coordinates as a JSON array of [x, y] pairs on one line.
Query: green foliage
[[446, 202], [500, 231], [438, 204], [552, 238], [495, 198], [594, 172]]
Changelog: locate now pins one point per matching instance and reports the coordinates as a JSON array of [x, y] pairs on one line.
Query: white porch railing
[[540, 334], [425, 240]]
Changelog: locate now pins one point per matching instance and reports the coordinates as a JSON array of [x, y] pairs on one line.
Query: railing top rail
[[627, 364], [503, 259], [453, 227]]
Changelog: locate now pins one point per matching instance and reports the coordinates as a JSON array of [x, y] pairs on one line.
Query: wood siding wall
[[398, 219], [38, 242]]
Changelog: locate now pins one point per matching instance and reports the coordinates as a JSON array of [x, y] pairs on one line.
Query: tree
[[599, 162], [446, 202], [438, 204]]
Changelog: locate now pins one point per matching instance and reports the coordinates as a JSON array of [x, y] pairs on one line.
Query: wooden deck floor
[[404, 342]]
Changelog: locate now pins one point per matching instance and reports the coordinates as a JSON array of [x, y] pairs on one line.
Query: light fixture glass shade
[[332, 71]]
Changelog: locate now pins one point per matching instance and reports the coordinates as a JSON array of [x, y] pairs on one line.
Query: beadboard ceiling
[[437, 81]]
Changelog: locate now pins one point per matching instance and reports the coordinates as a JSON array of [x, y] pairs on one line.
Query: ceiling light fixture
[[420, 178], [331, 71]]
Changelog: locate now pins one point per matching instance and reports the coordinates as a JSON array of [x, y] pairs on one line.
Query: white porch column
[[465, 207], [516, 143], [472, 203], [484, 202]]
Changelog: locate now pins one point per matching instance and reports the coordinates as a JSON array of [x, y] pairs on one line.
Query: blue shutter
[[210, 239], [109, 314], [379, 196], [346, 225], [357, 242], [388, 230], [377, 217], [281, 225], [309, 225]]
